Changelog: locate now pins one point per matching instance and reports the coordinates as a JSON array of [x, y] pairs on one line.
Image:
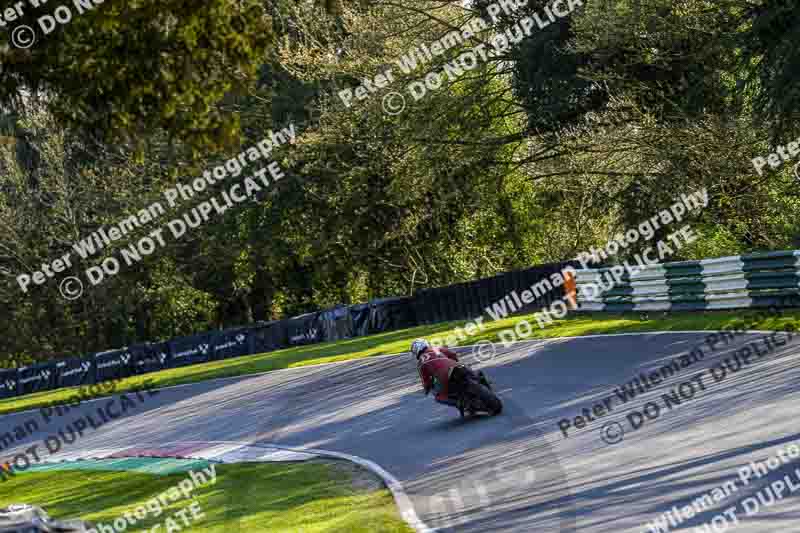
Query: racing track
[[515, 472]]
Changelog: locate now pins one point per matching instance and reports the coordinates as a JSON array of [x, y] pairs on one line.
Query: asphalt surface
[[517, 472]]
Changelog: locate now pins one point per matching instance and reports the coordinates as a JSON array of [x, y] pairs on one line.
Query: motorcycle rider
[[435, 367]]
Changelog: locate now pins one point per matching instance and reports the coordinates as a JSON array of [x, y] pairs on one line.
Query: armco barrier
[[736, 282]]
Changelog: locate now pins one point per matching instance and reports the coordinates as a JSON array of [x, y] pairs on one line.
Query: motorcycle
[[474, 393]]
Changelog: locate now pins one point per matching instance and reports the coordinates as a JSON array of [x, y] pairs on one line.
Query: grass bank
[[311, 497], [398, 341]]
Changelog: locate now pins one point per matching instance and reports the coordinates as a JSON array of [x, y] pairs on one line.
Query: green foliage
[[580, 131], [125, 69], [771, 56]]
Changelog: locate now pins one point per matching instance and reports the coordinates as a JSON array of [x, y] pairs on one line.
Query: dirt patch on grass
[[361, 479]]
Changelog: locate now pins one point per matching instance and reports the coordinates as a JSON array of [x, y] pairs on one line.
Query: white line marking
[[404, 504]]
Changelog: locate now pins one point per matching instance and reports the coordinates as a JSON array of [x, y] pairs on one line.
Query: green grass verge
[[260, 497], [398, 341]]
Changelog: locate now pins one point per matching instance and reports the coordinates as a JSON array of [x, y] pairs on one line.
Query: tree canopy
[[530, 155], [123, 70]]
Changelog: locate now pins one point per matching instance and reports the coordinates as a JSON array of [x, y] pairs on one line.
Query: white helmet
[[419, 346]]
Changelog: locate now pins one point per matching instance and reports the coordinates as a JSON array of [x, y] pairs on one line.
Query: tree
[[122, 70], [772, 59]]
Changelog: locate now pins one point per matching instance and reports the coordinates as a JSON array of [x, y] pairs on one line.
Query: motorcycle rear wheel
[[487, 398]]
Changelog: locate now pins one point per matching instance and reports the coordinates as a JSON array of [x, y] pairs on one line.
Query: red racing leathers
[[438, 363]]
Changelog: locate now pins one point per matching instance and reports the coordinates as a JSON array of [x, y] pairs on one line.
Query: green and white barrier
[[742, 281]]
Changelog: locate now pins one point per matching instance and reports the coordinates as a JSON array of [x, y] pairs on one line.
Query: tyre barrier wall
[[456, 302], [736, 282]]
